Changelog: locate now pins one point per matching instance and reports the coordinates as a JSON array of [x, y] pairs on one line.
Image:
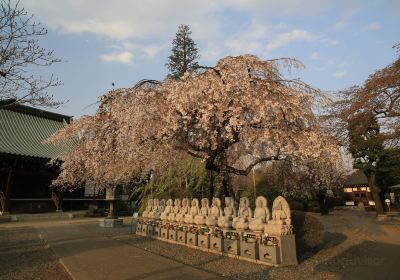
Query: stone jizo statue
[[168, 209], [280, 224], [200, 219], [225, 221], [193, 212], [180, 217], [149, 207], [176, 210], [156, 211], [214, 213], [241, 222], [261, 215], [162, 204]]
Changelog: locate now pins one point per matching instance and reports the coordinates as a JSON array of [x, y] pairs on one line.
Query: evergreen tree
[[366, 146], [388, 169], [184, 53]]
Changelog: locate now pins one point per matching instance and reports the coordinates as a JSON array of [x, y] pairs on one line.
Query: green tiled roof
[[22, 132]]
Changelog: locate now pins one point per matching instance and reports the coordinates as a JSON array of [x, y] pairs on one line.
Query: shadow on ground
[[367, 260]]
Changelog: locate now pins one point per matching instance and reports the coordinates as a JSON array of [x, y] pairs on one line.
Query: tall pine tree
[[184, 53]]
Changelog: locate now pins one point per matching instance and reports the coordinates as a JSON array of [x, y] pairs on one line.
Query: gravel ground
[[23, 255]]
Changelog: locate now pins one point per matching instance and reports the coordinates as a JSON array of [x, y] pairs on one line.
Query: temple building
[[25, 175], [357, 191]]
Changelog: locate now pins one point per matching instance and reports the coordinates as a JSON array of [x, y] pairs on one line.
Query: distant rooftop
[[23, 130], [356, 178]]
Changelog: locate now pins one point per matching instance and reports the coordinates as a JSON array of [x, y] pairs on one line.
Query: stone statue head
[[216, 202], [185, 202], [156, 202], [228, 202], [169, 202], [149, 203], [244, 202], [205, 203], [195, 202], [177, 202], [261, 202], [162, 202]]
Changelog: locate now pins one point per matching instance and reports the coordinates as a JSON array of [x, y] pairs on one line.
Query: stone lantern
[[111, 220]]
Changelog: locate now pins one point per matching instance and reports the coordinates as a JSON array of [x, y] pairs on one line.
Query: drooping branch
[[216, 71], [249, 167], [146, 82]]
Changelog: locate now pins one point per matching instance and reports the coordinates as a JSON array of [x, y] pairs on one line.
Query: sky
[[123, 41]]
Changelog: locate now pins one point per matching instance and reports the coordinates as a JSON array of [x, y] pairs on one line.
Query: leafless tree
[[20, 53]]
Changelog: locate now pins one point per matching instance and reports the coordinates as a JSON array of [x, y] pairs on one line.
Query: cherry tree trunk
[[323, 207], [226, 189]]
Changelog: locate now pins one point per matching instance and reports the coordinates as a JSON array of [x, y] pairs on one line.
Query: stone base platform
[[111, 223], [249, 246]]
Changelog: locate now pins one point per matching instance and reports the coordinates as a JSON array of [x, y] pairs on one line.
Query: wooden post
[[7, 193]]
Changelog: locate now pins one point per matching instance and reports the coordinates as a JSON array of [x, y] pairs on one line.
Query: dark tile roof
[[356, 178]]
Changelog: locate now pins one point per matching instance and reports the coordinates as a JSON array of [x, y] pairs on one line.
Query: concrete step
[[46, 216], [5, 219]]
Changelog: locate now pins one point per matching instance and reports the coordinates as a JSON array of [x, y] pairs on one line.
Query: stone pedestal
[[146, 230], [216, 243], [172, 234], [191, 238], [181, 237], [157, 231], [111, 223], [231, 246], [138, 228], [203, 241], [150, 230], [249, 250], [164, 233], [269, 254]]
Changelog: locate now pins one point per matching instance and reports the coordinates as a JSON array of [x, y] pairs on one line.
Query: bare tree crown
[[20, 52]]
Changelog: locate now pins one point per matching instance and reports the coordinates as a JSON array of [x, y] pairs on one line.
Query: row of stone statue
[[189, 212]]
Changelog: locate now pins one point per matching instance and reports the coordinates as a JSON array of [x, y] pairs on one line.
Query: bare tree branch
[[19, 51]]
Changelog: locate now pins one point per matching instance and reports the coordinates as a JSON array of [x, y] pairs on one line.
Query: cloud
[[122, 20], [153, 50], [146, 28], [315, 56], [121, 57], [249, 39], [339, 25], [372, 26], [147, 50], [288, 37], [339, 75]]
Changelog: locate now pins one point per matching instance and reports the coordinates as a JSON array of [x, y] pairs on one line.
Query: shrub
[[309, 232]]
